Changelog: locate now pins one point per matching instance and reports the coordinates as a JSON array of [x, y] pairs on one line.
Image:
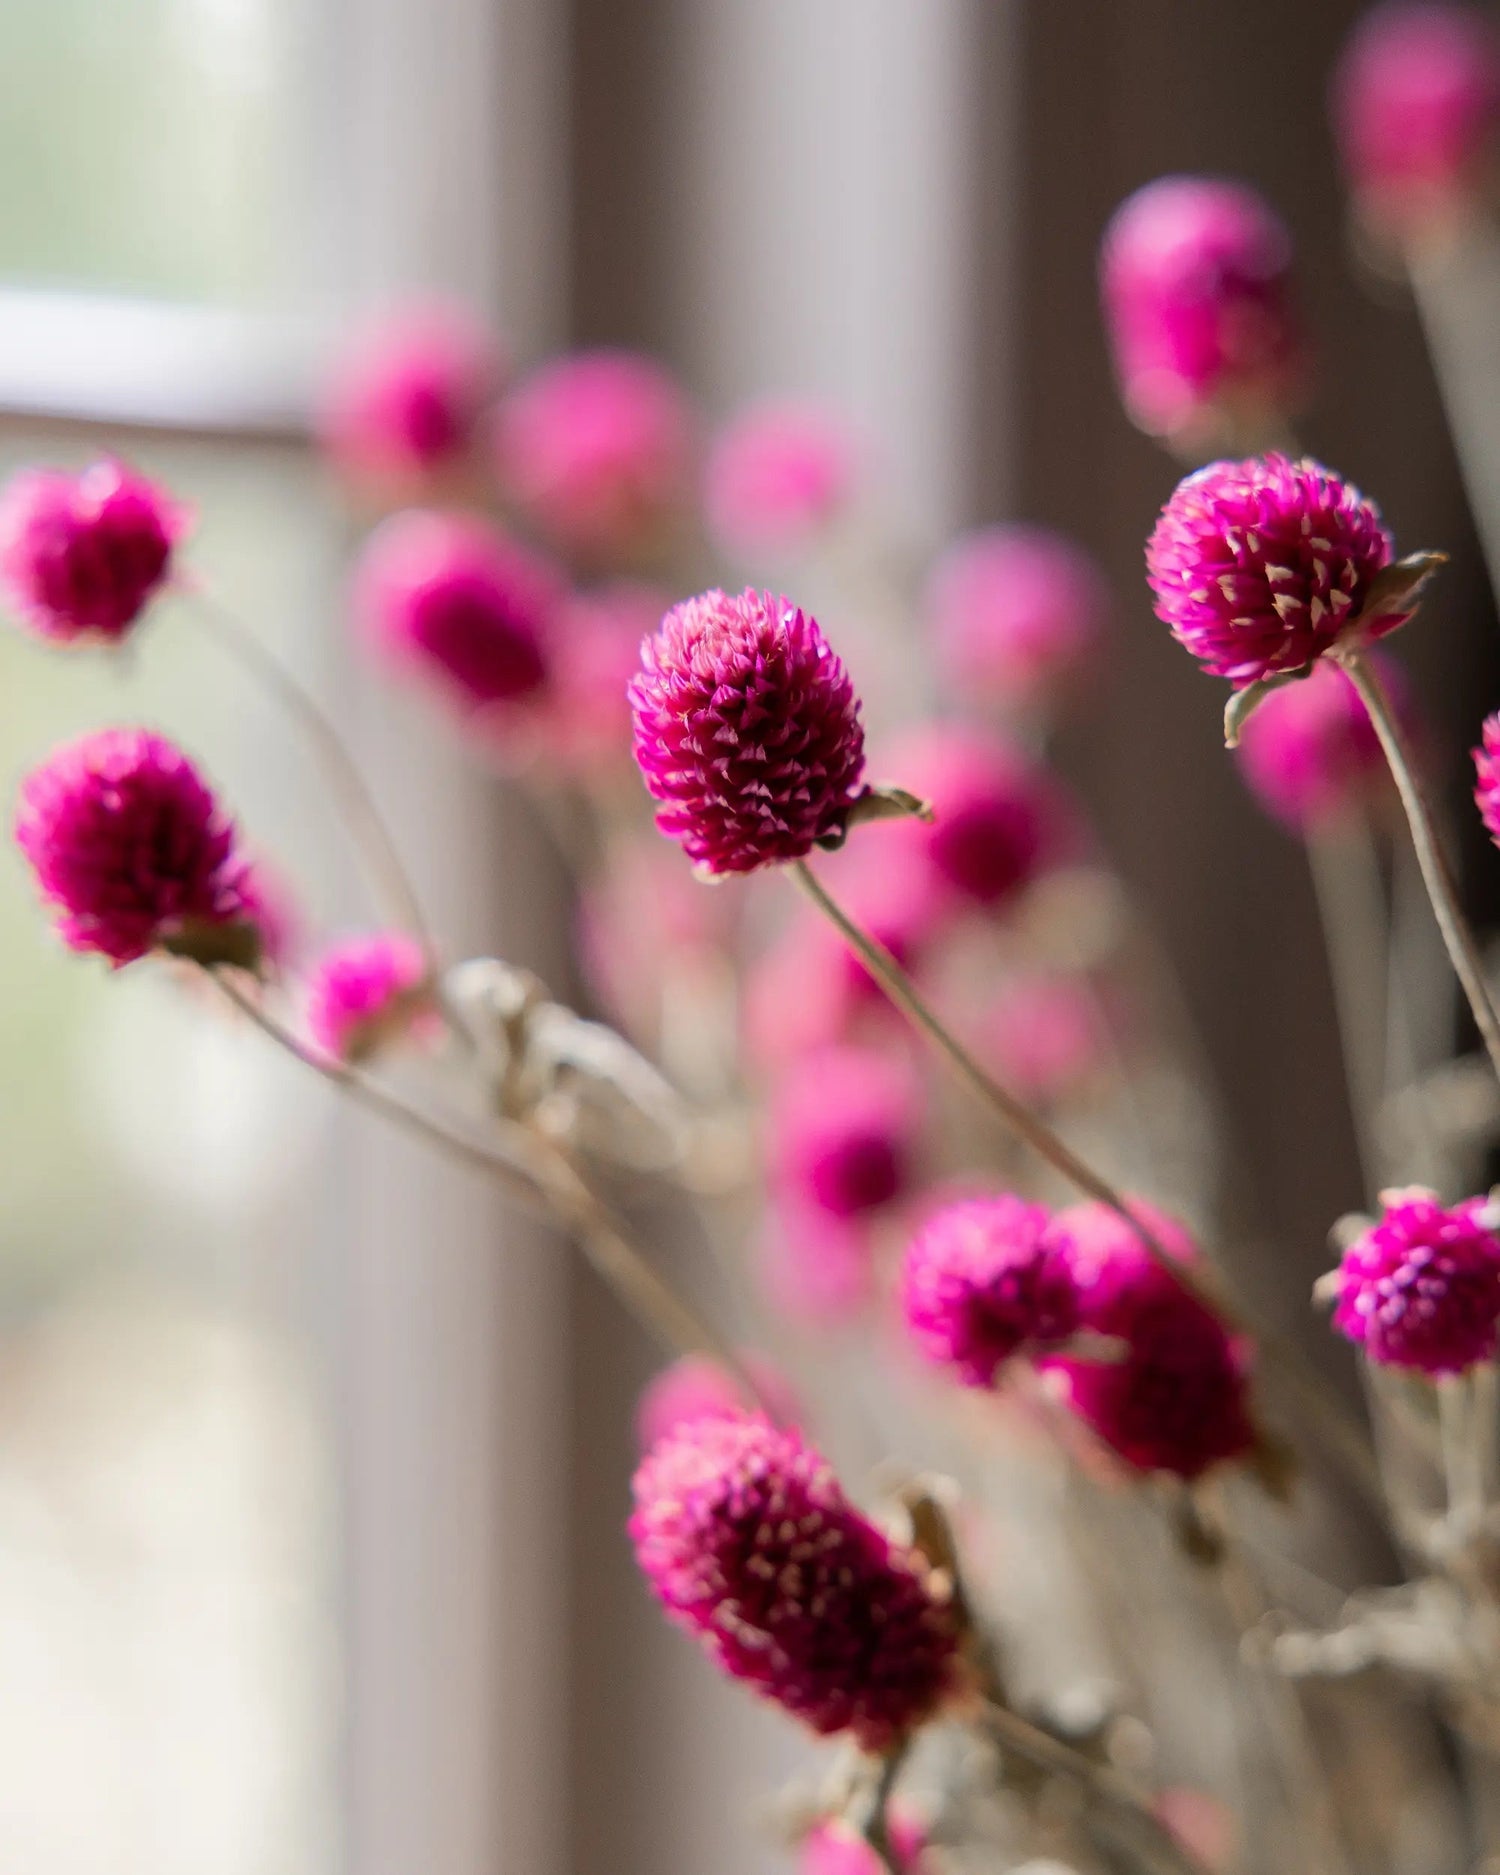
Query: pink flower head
[[843, 1129], [405, 399], [597, 449], [82, 555], [453, 598], [1178, 1399], [981, 1281], [1045, 1034], [1487, 772], [1196, 280], [1310, 752], [365, 993], [1261, 566], [584, 727], [834, 1847], [747, 731], [777, 475], [133, 851], [697, 1387], [749, 1544], [1416, 107], [1016, 612], [1421, 1287]]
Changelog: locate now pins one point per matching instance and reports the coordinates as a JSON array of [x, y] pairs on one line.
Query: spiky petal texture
[[1421, 1288], [1309, 751], [749, 1544], [129, 845], [1259, 566], [1487, 773], [697, 1387], [82, 555], [843, 1131], [1178, 1400], [746, 730], [1017, 613], [982, 1280], [777, 474], [1416, 110], [1195, 275], [367, 992]]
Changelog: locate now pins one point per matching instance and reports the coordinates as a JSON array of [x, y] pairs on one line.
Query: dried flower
[[697, 1387], [746, 730], [407, 396], [597, 449], [843, 1129], [1016, 612], [460, 602], [982, 1280], [1416, 109], [366, 993], [1196, 280], [1487, 770], [1421, 1287], [1261, 566], [134, 853], [1178, 1400], [82, 555], [777, 475], [749, 1544]]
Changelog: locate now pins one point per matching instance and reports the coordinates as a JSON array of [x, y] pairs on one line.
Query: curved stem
[[1463, 952]]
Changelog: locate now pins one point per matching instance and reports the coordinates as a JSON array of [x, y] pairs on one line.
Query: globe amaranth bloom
[[777, 475], [747, 731], [134, 853], [698, 1387], [1415, 102], [834, 1847], [1195, 275], [82, 555], [1261, 566], [366, 993], [457, 601], [596, 448], [843, 1130], [1178, 1399], [1310, 752], [406, 397], [1487, 774], [1016, 614], [749, 1543], [1421, 1287], [981, 1281]]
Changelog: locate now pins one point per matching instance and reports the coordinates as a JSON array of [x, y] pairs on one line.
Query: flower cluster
[[1420, 1288]]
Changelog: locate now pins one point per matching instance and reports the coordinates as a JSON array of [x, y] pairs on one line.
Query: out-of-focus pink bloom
[[816, 1270], [1420, 1288], [1017, 613], [697, 1387], [1259, 567], [749, 1544], [406, 397], [1179, 1399], [583, 729], [747, 731], [1416, 109], [777, 474], [82, 555], [1195, 275], [366, 993], [1310, 752], [597, 449], [460, 603], [833, 1847], [1487, 774], [133, 852], [1045, 1035], [843, 1131]]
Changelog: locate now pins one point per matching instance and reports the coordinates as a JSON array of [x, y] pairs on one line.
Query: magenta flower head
[[748, 1543], [777, 475], [697, 1387], [82, 555], [596, 448], [1487, 776], [134, 853], [405, 400], [460, 603], [1195, 275], [1421, 1287], [1260, 567], [1017, 614], [982, 1280], [843, 1131], [367, 993], [1178, 1400], [1416, 111], [747, 731]]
